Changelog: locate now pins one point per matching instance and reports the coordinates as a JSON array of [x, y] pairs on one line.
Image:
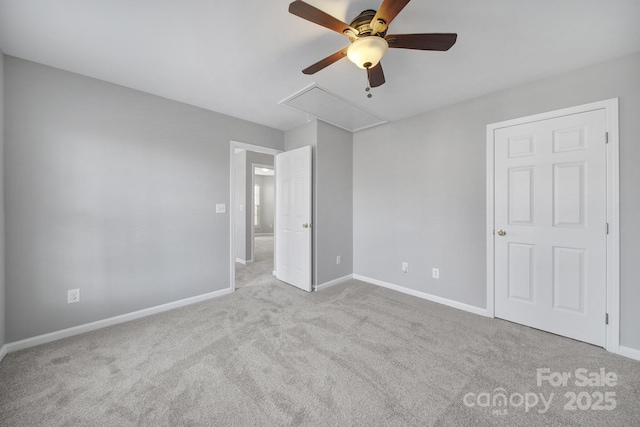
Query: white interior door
[[293, 217], [550, 225]]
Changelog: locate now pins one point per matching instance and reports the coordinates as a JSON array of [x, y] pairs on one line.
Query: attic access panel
[[332, 109]]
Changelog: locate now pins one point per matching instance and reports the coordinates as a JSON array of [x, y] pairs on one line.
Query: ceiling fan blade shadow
[[376, 76], [323, 63], [389, 9], [317, 16], [434, 41]]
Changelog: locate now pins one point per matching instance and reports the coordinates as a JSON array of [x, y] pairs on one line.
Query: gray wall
[[334, 208], [332, 196], [267, 203], [2, 286], [420, 184], [112, 191]]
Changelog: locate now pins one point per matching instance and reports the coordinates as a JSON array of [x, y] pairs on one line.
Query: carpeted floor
[[261, 269], [351, 355]]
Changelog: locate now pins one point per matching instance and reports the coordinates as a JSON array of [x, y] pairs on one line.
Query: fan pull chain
[[368, 89]]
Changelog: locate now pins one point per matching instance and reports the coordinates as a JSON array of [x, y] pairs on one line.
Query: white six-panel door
[[293, 217], [550, 225]]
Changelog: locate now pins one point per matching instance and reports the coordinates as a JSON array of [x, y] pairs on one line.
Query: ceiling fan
[[368, 36]]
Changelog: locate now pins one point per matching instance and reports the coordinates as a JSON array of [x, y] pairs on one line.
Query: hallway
[[261, 270]]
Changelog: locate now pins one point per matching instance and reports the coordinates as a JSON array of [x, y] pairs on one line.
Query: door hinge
[[606, 137], [606, 318], [607, 228]]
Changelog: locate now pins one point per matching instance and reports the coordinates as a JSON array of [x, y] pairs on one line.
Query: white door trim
[[613, 209], [232, 204]]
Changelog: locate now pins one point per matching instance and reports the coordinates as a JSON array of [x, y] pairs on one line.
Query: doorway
[[252, 214], [259, 215], [552, 222]]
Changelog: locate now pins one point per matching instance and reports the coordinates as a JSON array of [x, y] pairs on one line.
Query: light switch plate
[[73, 295], [221, 208]]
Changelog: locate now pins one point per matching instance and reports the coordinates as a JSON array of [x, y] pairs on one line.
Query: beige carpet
[[271, 355]]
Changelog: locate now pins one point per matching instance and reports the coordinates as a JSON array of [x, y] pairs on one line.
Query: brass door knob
[[501, 232], [306, 225]]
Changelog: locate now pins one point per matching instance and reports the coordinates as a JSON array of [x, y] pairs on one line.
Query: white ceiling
[[264, 171], [242, 57]]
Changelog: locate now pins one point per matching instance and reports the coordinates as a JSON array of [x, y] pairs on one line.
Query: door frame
[[232, 203], [612, 340]]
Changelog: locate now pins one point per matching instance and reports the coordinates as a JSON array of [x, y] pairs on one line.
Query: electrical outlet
[[221, 208], [405, 267], [339, 259], [435, 272], [73, 295]]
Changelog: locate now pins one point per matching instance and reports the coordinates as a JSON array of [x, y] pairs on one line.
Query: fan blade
[[376, 76], [389, 9], [422, 41], [315, 15], [323, 63]]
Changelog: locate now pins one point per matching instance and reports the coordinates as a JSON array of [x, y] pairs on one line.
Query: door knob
[[306, 225], [501, 232]]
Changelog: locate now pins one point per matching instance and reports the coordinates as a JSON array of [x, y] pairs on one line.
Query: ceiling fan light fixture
[[367, 51]]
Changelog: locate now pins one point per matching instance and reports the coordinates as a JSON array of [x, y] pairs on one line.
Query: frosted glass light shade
[[366, 52]]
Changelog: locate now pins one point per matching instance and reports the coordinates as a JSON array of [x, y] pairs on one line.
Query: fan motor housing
[[362, 23]]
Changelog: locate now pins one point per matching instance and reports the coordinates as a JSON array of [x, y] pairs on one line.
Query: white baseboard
[[243, 262], [334, 282], [629, 352], [3, 352], [424, 295], [87, 327]]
